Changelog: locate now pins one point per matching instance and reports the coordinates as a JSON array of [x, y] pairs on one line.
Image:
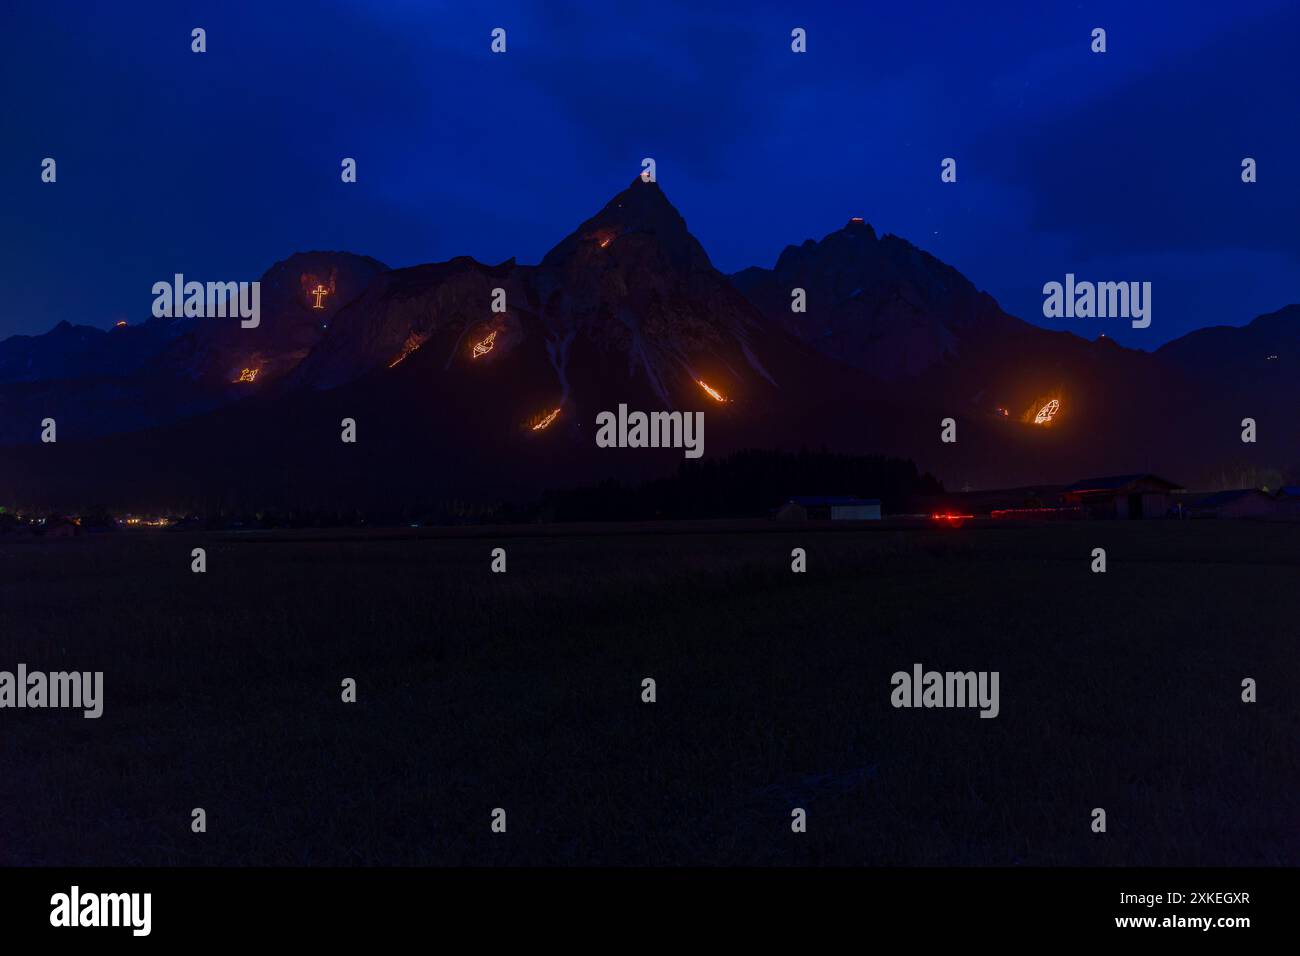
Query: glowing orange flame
[[550, 417], [247, 375], [713, 392], [413, 342], [319, 292], [484, 347], [1047, 412]]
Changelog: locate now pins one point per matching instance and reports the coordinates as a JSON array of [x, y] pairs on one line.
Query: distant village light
[[134, 521], [120, 324]]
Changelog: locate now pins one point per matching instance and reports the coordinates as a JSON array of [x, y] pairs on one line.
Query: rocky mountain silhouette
[[484, 381], [70, 351], [918, 326], [98, 382]]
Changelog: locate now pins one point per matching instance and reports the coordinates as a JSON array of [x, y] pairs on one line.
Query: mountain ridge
[[627, 308]]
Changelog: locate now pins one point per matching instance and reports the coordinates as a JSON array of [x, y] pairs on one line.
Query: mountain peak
[[857, 226], [638, 216], [852, 242], [644, 198]]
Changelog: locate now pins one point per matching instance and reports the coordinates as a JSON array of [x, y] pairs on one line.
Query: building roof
[[1116, 483], [822, 500]]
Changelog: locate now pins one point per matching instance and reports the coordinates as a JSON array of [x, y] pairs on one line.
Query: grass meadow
[[523, 691]]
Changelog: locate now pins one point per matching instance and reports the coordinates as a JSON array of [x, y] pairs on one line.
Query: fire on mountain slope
[[299, 297], [650, 303], [422, 311]]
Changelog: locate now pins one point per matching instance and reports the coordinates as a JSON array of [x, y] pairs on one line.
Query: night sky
[[1122, 166]]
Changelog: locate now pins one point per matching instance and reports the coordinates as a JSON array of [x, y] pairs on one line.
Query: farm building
[[1122, 496], [829, 508]]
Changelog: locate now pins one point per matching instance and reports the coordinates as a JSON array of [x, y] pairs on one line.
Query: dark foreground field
[[522, 691]]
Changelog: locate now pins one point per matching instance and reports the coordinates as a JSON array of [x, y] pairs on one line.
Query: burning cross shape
[[319, 292]]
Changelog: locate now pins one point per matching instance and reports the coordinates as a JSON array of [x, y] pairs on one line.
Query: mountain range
[[451, 399]]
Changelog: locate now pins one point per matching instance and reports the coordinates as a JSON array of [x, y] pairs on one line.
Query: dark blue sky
[[1122, 166]]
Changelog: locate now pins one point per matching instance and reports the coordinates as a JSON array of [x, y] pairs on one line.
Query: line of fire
[[712, 392], [411, 345], [544, 421]]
